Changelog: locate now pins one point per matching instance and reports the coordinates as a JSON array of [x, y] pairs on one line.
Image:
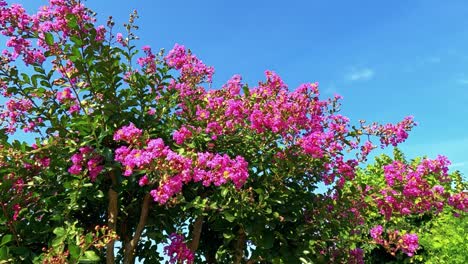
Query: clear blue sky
[[388, 59]]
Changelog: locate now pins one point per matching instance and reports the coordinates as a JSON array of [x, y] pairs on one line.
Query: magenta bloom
[[409, 244], [178, 251], [376, 231], [128, 133]]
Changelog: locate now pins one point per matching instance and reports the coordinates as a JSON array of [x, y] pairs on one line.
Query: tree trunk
[[129, 252], [196, 233], [112, 211], [239, 247]]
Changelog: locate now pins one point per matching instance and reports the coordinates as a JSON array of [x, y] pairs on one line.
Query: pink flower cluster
[[356, 256], [393, 241], [181, 135], [23, 46], [129, 134], [218, 169], [120, 39], [409, 244], [393, 134], [66, 97], [459, 201], [86, 158], [148, 63], [411, 190], [18, 25], [178, 251], [293, 119], [191, 68], [15, 111], [174, 169]]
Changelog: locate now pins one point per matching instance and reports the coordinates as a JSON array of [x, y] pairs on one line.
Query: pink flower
[[128, 133], [120, 39], [181, 135], [178, 251], [151, 111], [16, 210], [376, 232], [409, 244], [66, 94], [148, 63], [356, 256], [86, 159], [143, 181], [188, 65]]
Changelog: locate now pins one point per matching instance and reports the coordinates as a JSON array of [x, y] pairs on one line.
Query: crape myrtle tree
[[133, 150], [402, 206]]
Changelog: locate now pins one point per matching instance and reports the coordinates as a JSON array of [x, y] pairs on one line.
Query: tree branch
[[239, 247], [112, 211], [129, 254], [196, 233]]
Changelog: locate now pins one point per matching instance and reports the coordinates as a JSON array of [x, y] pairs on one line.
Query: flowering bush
[[144, 150]]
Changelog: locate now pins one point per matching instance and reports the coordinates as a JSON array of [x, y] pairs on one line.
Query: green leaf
[[246, 90], [74, 250], [59, 231], [72, 21], [26, 78], [49, 39], [91, 255], [3, 253], [5, 239], [229, 217]]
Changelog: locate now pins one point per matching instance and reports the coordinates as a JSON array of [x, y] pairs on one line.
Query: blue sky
[[388, 59]]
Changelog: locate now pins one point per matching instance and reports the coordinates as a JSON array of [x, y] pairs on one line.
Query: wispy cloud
[[419, 63], [432, 59], [463, 81], [363, 74], [331, 89], [458, 164]]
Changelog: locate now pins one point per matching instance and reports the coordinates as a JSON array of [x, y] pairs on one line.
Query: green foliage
[[446, 240]]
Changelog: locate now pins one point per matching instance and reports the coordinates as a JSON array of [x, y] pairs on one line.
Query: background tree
[[409, 197]]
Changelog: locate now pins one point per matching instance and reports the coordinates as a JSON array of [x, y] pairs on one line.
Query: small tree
[[138, 153]]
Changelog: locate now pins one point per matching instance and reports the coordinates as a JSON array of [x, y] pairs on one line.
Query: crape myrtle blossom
[[191, 68], [176, 169], [356, 256], [148, 62], [86, 159], [409, 244], [19, 25], [392, 241], [410, 189], [297, 118], [21, 28], [178, 251], [15, 111]]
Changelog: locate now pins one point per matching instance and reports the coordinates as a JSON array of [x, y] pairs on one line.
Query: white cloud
[[364, 74]]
